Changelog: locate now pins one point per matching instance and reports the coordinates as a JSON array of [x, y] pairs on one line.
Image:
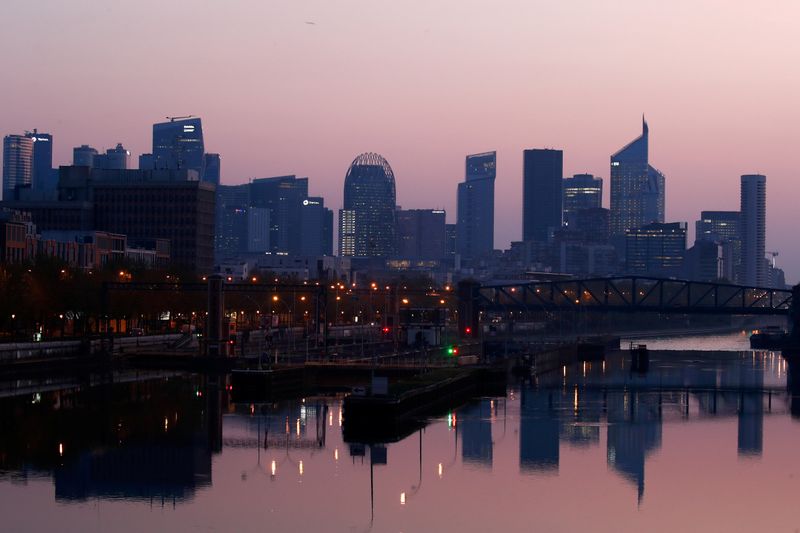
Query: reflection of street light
[[415, 488]]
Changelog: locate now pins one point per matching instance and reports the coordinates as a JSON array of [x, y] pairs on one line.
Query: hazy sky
[[424, 83]]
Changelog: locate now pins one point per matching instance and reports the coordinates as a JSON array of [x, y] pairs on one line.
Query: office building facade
[[753, 229], [724, 228], [475, 207], [421, 234], [161, 204], [42, 164], [656, 250], [316, 227], [542, 193], [213, 168], [283, 196], [17, 164], [178, 145], [581, 191], [637, 189], [367, 221]]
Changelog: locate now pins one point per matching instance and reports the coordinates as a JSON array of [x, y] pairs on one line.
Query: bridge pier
[[216, 343]]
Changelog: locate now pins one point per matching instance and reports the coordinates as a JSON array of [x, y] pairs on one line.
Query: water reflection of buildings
[[146, 440], [476, 432], [634, 431], [538, 430], [571, 406]]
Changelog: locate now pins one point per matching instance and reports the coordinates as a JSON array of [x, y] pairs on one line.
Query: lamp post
[[276, 299]]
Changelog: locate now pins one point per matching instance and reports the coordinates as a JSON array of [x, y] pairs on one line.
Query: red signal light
[[386, 330], [467, 330]]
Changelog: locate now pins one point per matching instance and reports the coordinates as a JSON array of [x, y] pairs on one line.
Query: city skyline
[[717, 105]]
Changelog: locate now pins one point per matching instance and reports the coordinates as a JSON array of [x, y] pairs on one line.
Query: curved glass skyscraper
[[637, 189], [367, 221]]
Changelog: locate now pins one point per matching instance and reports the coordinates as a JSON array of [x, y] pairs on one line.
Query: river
[[703, 441]]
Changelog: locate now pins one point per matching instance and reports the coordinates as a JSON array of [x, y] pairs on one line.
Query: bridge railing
[[635, 294]]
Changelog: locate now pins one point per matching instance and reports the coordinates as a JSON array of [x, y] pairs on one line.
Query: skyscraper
[[724, 228], [83, 156], [753, 229], [656, 249], [42, 166], [475, 209], [231, 221], [17, 163], [581, 191], [213, 168], [316, 230], [178, 144], [117, 158], [283, 196], [542, 193], [637, 189], [421, 234], [367, 221]]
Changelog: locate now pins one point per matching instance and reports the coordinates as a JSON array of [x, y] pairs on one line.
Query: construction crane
[[173, 119], [774, 255]]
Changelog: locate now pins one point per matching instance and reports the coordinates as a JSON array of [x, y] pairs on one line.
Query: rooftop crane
[[173, 119]]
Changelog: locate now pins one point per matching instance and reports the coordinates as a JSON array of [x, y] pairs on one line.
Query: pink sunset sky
[[302, 87]]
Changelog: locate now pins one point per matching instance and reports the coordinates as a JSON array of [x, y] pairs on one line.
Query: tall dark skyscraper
[[17, 163], [475, 209], [283, 196], [421, 234], [637, 189], [231, 221], [367, 221], [754, 229], [316, 232], [42, 166], [542, 193], [213, 168], [581, 191], [178, 144]]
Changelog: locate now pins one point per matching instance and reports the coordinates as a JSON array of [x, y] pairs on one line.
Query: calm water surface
[[701, 442]]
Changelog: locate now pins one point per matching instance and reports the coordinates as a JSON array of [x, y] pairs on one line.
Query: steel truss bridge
[[631, 294]]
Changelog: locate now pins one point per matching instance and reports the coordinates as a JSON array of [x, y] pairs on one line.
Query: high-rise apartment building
[[17, 163], [542, 193], [753, 229], [367, 221], [581, 191], [637, 189], [475, 207]]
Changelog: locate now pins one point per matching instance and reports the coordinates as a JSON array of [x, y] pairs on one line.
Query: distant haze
[[424, 84]]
